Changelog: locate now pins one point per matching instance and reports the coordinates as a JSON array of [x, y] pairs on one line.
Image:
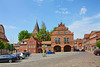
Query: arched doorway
[[67, 48], [40, 51], [57, 49]]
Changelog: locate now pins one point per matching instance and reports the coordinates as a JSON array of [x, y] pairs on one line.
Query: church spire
[[36, 29]]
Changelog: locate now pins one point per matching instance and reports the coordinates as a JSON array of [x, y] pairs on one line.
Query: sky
[[80, 16]]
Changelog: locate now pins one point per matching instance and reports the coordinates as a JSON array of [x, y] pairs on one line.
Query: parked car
[[22, 55], [83, 50], [7, 58], [50, 52], [16, 56], [77, 50], [97, 52], [27, 53]]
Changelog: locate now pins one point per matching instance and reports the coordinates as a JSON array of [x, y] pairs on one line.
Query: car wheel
[[10, 61], [98, 54], [20, 58]]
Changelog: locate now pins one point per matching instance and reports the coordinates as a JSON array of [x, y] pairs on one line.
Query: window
[[55, 39], [30, 42], [64, 32], [28, 46], [31, 50], [31, 46], [58, 39], [25, 42], [58, 32], [34, 50], [67, 39], [64, 39], [21, 46]]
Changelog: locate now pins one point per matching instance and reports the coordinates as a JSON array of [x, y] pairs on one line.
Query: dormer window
[[21, 42], [25, 42], [58, 32]]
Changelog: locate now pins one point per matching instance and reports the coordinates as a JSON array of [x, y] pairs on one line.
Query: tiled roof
[[25, 39], [46, 42]]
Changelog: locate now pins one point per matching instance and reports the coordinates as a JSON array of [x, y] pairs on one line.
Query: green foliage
[[98, 44], [7, 46], [41, 32], [2, 46], [24, 35], [44, 35], [12, 47]]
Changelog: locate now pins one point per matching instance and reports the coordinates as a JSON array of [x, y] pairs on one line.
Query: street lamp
[[44, 45]]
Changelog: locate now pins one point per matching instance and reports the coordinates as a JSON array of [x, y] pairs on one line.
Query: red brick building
[[30, 45], [62, 39], [2, 34], [90, 40], [78, 44], [85, 43]]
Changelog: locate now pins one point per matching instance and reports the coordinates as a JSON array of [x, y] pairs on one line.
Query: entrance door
[[67, 48]]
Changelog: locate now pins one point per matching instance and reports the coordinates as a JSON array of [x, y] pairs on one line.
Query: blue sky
[[80, 16]]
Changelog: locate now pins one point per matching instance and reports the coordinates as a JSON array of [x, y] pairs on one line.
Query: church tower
[[36, 29]]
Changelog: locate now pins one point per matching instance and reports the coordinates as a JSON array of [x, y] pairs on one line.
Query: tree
[[2, 46], [98, 44], [24, 35], [43, 26], [7, 46], [39, 35]]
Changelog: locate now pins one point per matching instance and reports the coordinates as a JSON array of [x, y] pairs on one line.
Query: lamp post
[[44, 45]]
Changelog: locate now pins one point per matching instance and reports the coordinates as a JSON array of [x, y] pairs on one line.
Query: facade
[[2, 34], [36, 29], [90, 40], [78, 44], [62, 39], [30, 45], [85, 43], [94, 37]]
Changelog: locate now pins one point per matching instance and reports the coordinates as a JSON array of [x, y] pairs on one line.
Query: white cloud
[[85, 26], [62, 11], [10, 27], [83, 10]]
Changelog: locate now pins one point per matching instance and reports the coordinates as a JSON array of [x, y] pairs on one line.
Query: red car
[[97, 52]]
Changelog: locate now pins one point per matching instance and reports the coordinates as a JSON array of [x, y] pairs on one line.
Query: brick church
[[61, 41]]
